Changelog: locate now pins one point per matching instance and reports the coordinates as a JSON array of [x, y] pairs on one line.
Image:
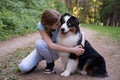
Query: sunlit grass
[[113, 32]]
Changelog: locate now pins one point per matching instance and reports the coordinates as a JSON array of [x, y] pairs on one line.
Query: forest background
[[19, 17]]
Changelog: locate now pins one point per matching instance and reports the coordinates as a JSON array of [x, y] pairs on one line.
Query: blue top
[[54, 33]]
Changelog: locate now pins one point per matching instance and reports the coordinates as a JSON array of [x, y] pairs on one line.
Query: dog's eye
[[69, 24]]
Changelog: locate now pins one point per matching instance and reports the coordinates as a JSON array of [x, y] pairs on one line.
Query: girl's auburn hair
[[49, 17]]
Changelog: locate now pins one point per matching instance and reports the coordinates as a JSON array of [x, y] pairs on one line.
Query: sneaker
[[49, 71], [49, 68]]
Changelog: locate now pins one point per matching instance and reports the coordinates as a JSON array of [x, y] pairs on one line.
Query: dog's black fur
[[95, 63]]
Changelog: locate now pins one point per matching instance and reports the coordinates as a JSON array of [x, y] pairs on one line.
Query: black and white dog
[[90, 63]]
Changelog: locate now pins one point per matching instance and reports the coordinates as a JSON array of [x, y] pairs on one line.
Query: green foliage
[[86, 10], [19, 17], [109, 6], [59, 5], [93, 11], [110, 12]]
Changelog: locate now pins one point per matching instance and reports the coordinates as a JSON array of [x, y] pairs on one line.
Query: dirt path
[[10, 46], [107, 47]]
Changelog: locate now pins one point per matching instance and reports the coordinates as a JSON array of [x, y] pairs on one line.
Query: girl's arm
[[83, 38], [77, 50]]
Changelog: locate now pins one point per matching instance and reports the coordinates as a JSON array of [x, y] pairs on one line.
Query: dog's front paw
[[65, 73], [83, 72]]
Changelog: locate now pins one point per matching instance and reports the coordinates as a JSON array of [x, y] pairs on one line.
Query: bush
[[19, 17]]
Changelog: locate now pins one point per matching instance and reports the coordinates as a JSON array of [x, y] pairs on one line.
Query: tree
[[86, 10], [110, 12]]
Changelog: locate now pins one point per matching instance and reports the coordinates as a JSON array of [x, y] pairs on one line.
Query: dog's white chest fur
[[68, 40]]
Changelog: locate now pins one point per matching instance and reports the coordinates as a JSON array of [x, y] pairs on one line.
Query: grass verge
[[113, 32]]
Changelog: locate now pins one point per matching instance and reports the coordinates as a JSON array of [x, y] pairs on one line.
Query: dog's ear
[[75, 20], [62, 17], [66, 14]]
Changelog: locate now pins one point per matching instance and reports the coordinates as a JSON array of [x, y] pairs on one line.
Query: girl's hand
[[78, 50]]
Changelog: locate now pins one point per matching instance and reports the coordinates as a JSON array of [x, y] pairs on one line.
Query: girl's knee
[[40, 44]]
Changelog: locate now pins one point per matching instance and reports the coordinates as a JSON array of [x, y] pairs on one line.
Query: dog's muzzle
[[63, 31]]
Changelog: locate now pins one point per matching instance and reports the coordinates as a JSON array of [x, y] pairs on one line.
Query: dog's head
[[69, 24]]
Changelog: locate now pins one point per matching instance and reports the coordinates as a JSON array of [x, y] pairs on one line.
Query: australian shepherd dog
[[90, 62]]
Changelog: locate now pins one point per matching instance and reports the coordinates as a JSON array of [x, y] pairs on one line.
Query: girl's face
[[54, 26]]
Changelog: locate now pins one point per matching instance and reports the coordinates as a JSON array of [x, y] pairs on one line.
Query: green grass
[[112, 32]]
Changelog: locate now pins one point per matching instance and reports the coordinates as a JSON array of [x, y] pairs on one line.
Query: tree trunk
[[114, 19], [118, 19], [69, 4], [108, 21], [85, 9]]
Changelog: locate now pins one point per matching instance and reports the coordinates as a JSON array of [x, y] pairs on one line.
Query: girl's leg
[[46, 53], [30, 61]]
